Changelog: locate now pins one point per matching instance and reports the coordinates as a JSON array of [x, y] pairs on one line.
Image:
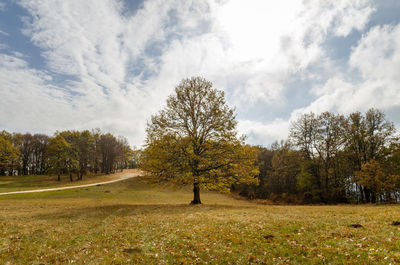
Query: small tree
[[193, 140]]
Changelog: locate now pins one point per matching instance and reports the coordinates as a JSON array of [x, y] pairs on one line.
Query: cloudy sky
[[110, 64]]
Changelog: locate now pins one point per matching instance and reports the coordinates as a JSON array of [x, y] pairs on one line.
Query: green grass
[[31, 182], [130, 222]]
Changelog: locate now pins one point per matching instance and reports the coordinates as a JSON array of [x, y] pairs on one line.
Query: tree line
[[328, 157], [67, 152], [331, 158]]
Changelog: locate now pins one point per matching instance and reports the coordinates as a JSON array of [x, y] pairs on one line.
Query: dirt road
[[122, 177]]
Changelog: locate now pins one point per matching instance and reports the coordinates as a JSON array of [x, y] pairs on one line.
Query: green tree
[[82, 146], [74, 157], [193, 140], [59, 156], [9, 156]]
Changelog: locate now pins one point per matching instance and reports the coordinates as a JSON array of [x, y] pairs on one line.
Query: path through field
[[120, 178]]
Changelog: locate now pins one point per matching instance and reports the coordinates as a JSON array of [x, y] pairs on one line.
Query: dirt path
[[122, 177]]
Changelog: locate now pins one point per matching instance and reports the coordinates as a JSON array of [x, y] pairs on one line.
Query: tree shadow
[[122, 210]]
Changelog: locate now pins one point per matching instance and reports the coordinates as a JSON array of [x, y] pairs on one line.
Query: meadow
[[131, 222], [32, 182]]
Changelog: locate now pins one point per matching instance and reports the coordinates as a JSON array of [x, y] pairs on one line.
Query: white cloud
[[2, 6], [123, 66], [377, 55], [253, 28], [94, 43], [3, 46], [258, 132], [338, 16], [30, 101], [377, 58], [99, 48], [253, 47]]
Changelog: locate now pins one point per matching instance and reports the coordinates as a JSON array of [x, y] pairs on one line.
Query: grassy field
[[17, 183], [130, 222]]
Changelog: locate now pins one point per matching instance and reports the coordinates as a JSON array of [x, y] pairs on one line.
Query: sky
[[108, 64]]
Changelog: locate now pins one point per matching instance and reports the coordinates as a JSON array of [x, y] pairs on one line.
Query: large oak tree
[[193, 140]]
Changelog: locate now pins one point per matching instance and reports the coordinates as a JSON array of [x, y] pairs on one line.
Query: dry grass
[[130, 222]]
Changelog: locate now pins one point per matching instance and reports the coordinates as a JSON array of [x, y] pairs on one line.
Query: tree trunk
[[70, 177], [373, 197], [58, 177], [367, 194], [196, 193], [361, 193]]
